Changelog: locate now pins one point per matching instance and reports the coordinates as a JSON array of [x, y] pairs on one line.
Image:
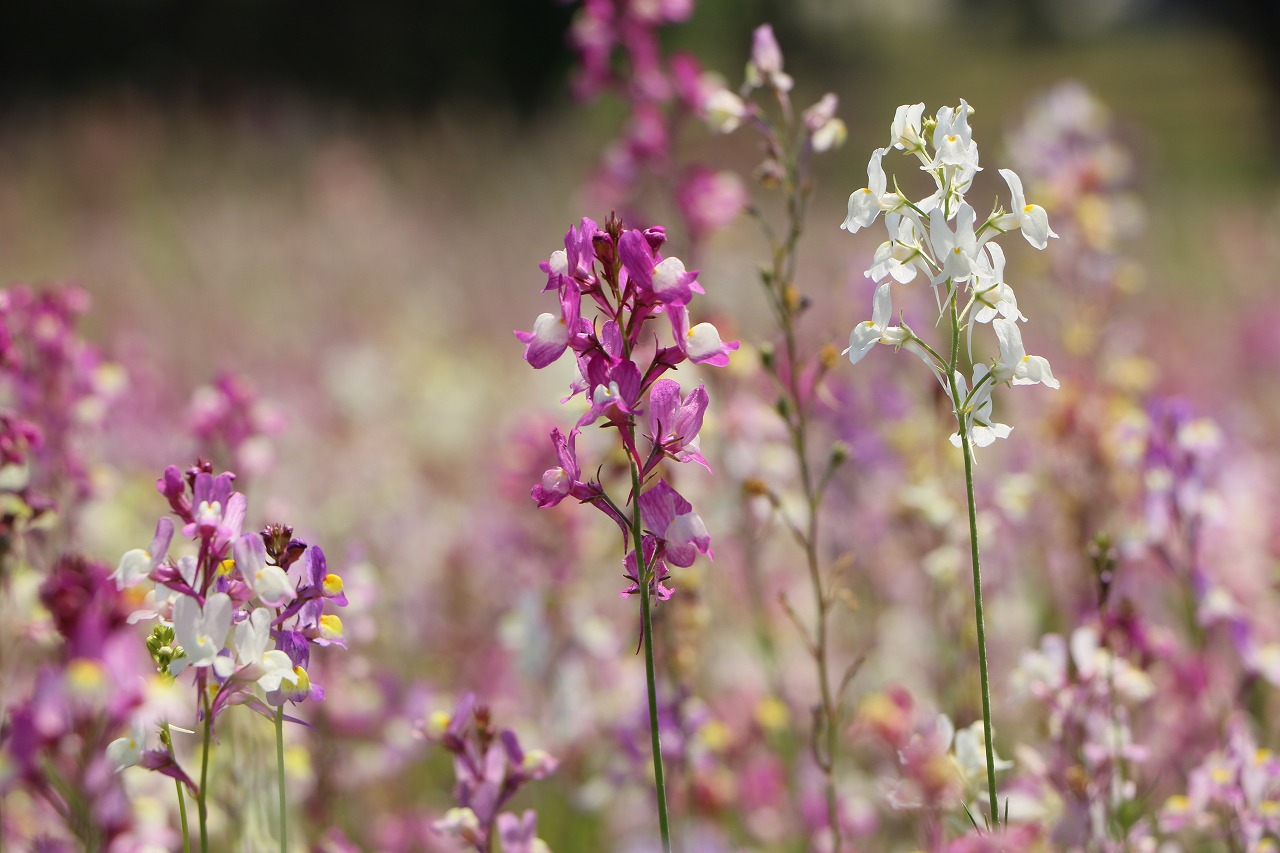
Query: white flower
[[970, 755], [200, 631], [901, 257], [255, 662], [865, 204], [905, 132], [977, 414], [1014, 365], [953, 140], [269, 583], [724, 110], [992, 296], [127, 751], [956, 251], [1031, 218], [868, 333]]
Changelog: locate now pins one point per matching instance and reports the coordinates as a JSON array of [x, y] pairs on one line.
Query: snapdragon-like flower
[[868, 333], [765, 67], [942, 236], [254, 661], [268, 582], [1031, 219], [674, 424], [201, 630], [1014, 365], [975, 409], [136, 565], [865, 204], [671, 518]]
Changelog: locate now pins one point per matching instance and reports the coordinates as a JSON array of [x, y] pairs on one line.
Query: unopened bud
[[767, 356], [839, 454], [791, 298]]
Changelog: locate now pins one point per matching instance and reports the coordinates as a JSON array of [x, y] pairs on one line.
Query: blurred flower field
[[669, 567]]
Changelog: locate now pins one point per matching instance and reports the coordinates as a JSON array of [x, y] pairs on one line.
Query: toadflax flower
[[672, 520], [201, 630], [943, 236]]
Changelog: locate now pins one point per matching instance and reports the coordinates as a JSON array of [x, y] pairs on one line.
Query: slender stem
[[177, 784], [784, 275], [643, 578], [982, 635], [202, 796], [284, 826], [967, 449]]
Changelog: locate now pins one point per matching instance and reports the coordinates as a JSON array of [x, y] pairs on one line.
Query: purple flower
[[615, 390], [671, 518], [550, 336], [559, 483], [664, 281], [519, 834], [700, 344], [674, 424]]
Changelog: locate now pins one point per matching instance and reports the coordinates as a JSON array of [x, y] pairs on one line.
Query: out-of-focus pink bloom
[[709, 200], [765, 66]]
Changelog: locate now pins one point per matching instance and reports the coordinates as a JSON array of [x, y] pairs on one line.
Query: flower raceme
[[243, 613], [943, 237], [624, 273]]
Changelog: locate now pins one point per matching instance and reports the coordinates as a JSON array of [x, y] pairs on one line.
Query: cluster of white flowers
[[941, 237]]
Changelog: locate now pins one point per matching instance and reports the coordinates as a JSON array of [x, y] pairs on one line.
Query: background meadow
[[308, 272]]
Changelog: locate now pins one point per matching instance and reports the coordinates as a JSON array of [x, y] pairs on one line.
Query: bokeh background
[[345, 205]]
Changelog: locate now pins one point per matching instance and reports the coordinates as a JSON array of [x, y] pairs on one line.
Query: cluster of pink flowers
[[491, 767], [242, 613], [619, 51], [53, 385], [624, 275]]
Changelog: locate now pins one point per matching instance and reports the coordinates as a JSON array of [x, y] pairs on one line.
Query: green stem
[[202, 796], [967, 449], [284, 826], [982, 634], [182, 800], [643, 578]]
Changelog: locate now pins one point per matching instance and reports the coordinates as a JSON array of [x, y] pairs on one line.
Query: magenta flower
[[519, 834], [551, 334], [664, 281], [700, 344], [559, 483], [615, 388], [674, 424], [671, 518], [710, 200]]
